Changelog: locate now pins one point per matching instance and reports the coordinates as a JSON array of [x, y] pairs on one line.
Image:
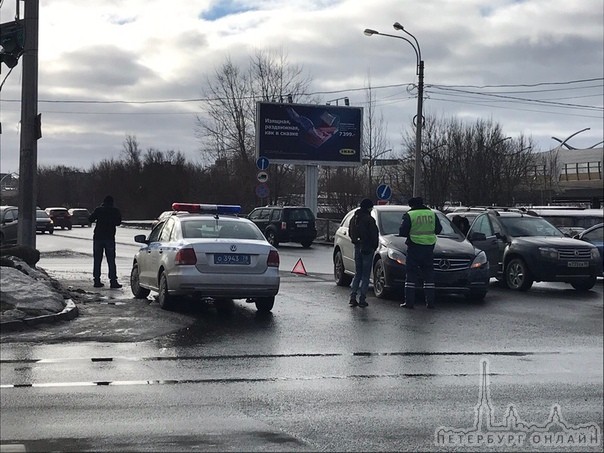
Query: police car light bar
[[195, 208]]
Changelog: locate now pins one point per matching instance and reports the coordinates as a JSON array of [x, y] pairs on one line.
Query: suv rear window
[[300, 214]]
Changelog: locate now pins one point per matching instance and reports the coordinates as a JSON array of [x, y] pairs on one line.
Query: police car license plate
[[231, 258], [578, 264]]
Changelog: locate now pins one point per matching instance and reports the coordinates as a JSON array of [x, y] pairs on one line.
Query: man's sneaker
[[115, 285], [430, 306], [353, 302], [98, 284], [406, 305], [363, 303]]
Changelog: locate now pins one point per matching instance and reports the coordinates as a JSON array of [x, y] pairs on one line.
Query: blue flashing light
[[196, 208]]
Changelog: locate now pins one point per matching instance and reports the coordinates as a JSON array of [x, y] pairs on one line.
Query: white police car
[[206, 251]]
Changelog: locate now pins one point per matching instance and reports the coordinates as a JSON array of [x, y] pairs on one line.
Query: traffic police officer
[[420, 226]]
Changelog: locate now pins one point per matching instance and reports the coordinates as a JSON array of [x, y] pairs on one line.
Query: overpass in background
[[579, 175]]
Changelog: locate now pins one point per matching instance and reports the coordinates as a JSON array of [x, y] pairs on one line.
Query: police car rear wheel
[[265, 304], [164, 298]]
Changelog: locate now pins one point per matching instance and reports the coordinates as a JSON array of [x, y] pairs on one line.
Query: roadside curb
[[69, 312]]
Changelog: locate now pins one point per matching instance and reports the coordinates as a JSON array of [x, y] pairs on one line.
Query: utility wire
[[315, 93]]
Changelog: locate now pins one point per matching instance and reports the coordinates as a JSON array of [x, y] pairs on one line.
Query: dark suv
[[60, 217], [285, 224], [524, 248]]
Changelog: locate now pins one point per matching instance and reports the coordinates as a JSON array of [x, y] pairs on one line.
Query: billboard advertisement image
[[309, 134]]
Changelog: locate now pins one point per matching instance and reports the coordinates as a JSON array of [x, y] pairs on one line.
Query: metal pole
[[417, 171], [28, 162]]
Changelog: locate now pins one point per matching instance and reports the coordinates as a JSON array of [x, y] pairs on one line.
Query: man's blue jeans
[[362, 264], [108, 247]]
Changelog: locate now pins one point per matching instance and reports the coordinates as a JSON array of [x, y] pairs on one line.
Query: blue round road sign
[[383, 192], [262, 190], [262, 163]]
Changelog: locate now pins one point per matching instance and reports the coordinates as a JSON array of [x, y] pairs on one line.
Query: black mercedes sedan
[[460, 268]]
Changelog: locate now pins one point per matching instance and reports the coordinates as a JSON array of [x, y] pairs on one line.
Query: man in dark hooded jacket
[[107, 217], [363, 233]]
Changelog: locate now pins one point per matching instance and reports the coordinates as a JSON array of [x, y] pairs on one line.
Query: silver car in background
[[206, 252]]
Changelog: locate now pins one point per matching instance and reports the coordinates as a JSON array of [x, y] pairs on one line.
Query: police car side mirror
[[141, 238]]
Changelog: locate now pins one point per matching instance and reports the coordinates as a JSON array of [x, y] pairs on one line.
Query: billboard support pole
[[311, 191]]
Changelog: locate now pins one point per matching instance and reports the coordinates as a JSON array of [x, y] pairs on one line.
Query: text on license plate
[[231, 258], [578, 264]]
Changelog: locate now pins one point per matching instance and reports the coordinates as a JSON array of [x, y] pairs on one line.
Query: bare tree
[[132, 152], [474, 164], [375, 144], [227, 126]]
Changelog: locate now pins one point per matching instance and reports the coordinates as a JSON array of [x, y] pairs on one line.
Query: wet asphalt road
[[316, 375]]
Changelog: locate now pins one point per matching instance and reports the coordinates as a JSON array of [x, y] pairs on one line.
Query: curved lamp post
[[563, 142], [417, 170]]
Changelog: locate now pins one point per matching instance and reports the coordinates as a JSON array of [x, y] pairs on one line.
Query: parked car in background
[[79, 217], [44, 223], [468, 213], [206, 252], [60, 217], [8, 225], [523, 248], [285, 224], [164, 215], [459, 267], [595, 236], [570, 220]]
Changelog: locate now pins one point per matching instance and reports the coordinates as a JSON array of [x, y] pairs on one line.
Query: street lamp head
[[369, 32], [398, 26]]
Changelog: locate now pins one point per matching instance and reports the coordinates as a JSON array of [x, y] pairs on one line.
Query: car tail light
[[273, 259], [185, 257], [284, 225]]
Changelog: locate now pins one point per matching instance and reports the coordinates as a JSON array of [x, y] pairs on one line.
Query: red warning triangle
[[299, 268]]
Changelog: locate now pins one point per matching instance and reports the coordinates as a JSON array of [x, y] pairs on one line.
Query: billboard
[[309, 134]]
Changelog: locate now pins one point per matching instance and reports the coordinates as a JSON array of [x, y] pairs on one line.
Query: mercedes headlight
[[480, 261], [595, 254], [397, 256]]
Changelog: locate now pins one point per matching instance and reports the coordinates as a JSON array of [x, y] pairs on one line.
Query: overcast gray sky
[[533, 66]]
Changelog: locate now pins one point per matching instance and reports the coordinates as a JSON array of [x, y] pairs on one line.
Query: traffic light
[[12, 40]]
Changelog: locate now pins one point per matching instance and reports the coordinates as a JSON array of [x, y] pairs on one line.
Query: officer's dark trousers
[[420, 264]]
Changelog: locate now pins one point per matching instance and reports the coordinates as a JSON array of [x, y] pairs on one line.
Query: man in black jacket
[[363, 233], [107, 217]]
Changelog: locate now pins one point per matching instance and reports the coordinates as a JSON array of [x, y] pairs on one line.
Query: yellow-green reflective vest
[[423, 223]]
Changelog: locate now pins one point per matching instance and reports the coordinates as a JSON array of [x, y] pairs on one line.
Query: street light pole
[[417, 170]]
